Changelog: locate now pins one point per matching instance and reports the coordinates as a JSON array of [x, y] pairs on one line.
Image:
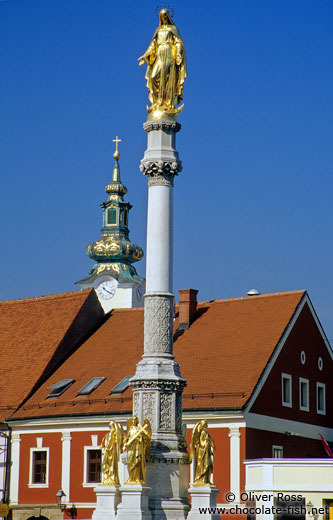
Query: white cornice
[[87, 424], [292, 428]]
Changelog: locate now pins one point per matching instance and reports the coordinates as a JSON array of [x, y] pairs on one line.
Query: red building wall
[[79, 493], [40, 495]]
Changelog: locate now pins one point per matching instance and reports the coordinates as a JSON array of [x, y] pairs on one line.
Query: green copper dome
[[114, 252]]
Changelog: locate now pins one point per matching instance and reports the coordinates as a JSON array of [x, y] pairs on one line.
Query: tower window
[[112, 216], [126, 218]]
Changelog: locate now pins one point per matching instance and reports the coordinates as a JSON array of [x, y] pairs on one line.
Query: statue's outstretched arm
[[150, 55]]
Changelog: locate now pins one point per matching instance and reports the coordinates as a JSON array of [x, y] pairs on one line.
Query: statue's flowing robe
[[204, 463], [136, 456], [166, 70], [110, 459]]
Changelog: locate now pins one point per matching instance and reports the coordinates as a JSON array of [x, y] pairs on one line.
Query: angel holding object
[[166, 67], [111, 449], [137, 444], [202, 446]]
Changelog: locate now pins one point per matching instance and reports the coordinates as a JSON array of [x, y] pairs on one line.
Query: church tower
[[114, 278]]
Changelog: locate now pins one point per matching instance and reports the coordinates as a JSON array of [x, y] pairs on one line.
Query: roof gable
[[297, 355]]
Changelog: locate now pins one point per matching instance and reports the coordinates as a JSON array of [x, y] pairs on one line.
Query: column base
[[134, 502], [203, 497], [108, 498]]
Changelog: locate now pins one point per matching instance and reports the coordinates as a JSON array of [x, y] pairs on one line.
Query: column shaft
[[234, 435], [159, 239], [15, 469], [66, 463]]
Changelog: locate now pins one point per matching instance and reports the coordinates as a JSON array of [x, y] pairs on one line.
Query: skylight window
[[122, 386], [91, 386], [59, 388]]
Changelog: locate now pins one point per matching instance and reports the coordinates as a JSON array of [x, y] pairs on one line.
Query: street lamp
[[310, 510], [60, 499]]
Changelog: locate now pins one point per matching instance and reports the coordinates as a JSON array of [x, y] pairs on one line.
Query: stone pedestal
[[134, 502], [108, 498], [203, 497]]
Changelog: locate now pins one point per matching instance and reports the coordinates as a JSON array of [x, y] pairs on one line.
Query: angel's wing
[[120, 438], [147, 427], [129, 424], [104, 441], [194, 439]]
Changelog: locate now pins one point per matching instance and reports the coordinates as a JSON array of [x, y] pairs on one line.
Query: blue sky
[[253, 205]]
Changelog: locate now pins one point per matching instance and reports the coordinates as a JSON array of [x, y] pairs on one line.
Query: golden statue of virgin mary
[[166, 68]]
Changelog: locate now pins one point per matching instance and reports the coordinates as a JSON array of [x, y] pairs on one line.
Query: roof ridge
[[254, 297], [54, 296]]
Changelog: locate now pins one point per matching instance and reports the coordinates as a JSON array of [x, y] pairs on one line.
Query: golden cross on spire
[[116, 154]]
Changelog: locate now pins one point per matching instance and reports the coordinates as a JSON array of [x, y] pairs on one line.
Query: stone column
[[157, 384], [66, 463], [15, 469], [234, 435]]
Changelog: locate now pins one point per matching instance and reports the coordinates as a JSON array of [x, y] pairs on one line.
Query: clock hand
[[107, 290]]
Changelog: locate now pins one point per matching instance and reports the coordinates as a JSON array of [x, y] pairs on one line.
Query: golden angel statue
[[202, 446], [166, 67], [137, 444], [111, 446]]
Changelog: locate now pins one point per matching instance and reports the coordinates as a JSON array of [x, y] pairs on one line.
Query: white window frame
[[303, 381], [39, 485], [287, 377], [323, 387], [275, 447], [85, 466]]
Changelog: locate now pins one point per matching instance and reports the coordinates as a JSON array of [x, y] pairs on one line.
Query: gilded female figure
[[202, 446], [166, 66], [111, 449], [137, 444]]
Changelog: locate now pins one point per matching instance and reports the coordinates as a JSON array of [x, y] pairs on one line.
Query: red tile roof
[[31, 331], [222, 356]]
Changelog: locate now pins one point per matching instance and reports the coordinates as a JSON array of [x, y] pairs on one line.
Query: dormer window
[[91, 386], [59, 388], [111, 217], [122, 386]]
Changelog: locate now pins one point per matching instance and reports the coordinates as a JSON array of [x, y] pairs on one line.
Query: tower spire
[[114, 253], [116, 155]]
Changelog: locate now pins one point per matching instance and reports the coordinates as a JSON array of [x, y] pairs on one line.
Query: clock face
[[139, 293], [106, 290]]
